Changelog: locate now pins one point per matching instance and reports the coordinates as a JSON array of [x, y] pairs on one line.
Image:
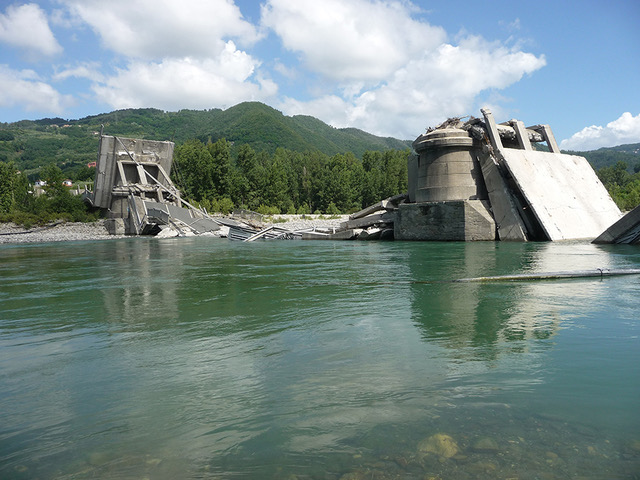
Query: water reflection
[[184, 358], [141, 280], [485, 314]]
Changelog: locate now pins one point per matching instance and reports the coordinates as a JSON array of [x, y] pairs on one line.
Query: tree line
[[220, 177], [624, 187], [286, 181], [19, 204]]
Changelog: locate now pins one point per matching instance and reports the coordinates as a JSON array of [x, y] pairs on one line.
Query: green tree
[[614, 175], [220, 167], [278, 192], [193, 170], [341, 183], [52, 174], [8, 184]]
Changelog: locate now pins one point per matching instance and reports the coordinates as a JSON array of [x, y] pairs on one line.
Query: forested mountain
[[609, 156], [73, 143], [248, 156], [251, 156]]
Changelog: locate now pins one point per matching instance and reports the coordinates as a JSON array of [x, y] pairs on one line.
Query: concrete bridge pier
[[451, 200]]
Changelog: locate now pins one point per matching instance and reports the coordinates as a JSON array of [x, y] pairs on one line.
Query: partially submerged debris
[[470, 180], [132, 185], [477, 180], [625, 230]]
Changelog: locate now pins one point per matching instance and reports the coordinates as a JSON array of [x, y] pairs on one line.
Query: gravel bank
[[66, 232], [59, 232], [307, 222]]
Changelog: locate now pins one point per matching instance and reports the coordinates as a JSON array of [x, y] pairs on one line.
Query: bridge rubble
[[133, 187], [477, 180], [626, 230], [472, 180]]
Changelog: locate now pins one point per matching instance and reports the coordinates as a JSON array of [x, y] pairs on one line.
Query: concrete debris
[[132, 185], [388, 204], [472, 179], [469, 180], [348, 234], [246, 233], [626, 230], [478, 180]]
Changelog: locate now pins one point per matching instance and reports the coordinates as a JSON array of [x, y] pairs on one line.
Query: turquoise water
[[203, 358]]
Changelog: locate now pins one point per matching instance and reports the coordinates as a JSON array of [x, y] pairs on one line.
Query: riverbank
[[76, 231], [56, 232], [306, 222]]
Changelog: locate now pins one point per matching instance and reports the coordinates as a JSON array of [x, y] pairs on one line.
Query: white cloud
[[357, 40], [173, 84], [330, 109], [23, 88], [176, 54], [88, 70], [155, 29], [625, 129], [440, 83], [26, 27]]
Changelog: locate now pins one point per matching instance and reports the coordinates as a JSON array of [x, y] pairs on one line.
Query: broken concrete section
[[529, 193], [478, 180], [348, 234], [563, 192], [626, 230], [374, 222], [132, 185]]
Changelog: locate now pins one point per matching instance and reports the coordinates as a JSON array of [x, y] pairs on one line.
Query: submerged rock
[[634, 446], [440, 444], [485, 445]]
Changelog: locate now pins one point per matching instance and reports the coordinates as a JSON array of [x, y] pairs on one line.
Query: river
[[206, 358]]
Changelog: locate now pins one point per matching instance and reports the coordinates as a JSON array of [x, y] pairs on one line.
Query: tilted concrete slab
[[348, 234], [508, 223], [564, 193], [191, 218], [369, 220], [625, 230]]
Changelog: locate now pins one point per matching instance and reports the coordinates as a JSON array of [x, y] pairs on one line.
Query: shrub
[[225, 205], [303, 209], [332, 209], [265, 210]]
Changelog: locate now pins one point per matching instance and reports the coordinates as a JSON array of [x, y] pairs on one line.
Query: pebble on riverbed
[[485, 445]]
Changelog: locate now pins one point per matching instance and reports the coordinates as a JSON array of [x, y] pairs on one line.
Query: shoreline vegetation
[[61, 231]]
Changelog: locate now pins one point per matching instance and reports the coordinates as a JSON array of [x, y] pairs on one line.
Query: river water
[[205, 358]]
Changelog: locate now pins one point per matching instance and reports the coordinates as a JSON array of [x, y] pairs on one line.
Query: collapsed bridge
[[468, 180], [478, 180], [132, 185]]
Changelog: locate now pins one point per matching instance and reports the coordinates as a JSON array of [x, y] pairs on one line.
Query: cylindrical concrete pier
[[447, 167]]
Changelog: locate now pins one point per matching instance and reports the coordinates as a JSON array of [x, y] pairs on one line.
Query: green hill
[[609, 156], [72, 144]]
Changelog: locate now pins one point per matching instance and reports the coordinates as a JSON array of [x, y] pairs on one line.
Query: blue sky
[[391, 68]]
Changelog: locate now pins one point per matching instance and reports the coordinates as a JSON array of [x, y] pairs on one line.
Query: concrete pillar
[[447, 167]]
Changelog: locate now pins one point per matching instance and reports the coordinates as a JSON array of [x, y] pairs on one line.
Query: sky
[[389, 67]]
